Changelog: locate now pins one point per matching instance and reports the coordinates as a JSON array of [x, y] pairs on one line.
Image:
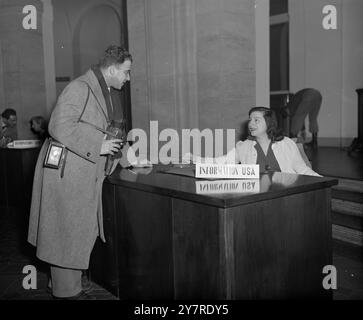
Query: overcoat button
[[88, 154]]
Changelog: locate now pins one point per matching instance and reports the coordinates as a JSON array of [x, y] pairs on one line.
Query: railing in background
[[278, 103], [357, 143]]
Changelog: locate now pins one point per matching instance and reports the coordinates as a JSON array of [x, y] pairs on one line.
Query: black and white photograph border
[[183, 65]]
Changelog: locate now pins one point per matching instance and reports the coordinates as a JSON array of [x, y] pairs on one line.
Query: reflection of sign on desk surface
[[227, 186], [227, 171]]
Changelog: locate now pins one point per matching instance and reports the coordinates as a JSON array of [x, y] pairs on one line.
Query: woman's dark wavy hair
[[40, 120], [273, 132]]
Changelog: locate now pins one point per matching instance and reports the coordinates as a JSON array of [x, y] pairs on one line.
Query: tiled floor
[[15, 254], [348, 259], [335, 162]]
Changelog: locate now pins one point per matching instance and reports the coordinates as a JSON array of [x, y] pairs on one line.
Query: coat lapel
[[105, 90], [95, 87]]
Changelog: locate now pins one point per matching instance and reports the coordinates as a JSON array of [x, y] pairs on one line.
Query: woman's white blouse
[[286, 152]]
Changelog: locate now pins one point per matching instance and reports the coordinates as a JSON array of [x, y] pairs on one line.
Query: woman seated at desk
[[264, 147]]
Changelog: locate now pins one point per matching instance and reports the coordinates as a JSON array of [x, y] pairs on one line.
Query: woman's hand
[[111, 146]]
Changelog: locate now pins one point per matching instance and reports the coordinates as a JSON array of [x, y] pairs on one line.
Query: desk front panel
[[168, 248]]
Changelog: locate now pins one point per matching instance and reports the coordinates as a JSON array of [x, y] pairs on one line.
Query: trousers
[[65, 282], [305, 103]]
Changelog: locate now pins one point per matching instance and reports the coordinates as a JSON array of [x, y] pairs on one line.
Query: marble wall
[[82, 31], [194, 62], [22, 76], [331, 61]]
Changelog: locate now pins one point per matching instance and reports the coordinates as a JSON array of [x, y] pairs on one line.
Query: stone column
[[195, 63], [49, 57]]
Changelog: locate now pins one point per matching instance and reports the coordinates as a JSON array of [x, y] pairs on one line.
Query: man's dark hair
[[114, 55], [273, 132], [7, 113]]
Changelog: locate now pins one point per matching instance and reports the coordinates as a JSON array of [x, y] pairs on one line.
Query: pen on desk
[[132, 171]]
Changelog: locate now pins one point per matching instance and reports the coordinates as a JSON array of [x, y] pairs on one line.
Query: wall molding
[[335, 142], [262, 27], [49, 56], [2, 91], [185, 64], [148, 41]]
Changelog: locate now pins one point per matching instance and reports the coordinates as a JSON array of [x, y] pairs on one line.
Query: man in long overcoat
[[66, 209]]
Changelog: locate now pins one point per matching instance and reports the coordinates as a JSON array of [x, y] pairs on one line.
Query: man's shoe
[[313, 143], [86, 285], [80, 296]]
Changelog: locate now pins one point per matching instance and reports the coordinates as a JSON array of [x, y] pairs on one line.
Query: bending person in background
[[265, 147], [305, 102]]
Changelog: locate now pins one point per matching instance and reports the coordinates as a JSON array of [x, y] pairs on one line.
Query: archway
[[97, 28]]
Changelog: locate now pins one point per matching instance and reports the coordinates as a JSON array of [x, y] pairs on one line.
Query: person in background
[[305, 102], [8, 131], [264, 146], [38, 126]]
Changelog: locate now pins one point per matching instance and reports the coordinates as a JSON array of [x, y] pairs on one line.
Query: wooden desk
[[166, 241], [16, 178], [357, 143]]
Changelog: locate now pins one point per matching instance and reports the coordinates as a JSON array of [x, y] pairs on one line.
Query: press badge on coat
[[55, 156]]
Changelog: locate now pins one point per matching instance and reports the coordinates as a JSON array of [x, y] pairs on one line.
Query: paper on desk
[[143, 163], [129, 159], [188, 171]]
